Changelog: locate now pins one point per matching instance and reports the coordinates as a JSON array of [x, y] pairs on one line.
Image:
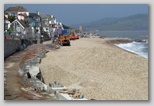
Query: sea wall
[[11, 46]]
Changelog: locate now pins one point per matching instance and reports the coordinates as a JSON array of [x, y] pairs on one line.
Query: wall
[[11, 46]]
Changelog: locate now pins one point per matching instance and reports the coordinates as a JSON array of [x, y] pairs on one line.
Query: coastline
[[112, 41], [124, 41], [101, 70]]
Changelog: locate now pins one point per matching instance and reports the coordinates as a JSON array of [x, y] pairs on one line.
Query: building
[[14, 11], [21, 16], [34, 21], [6, 23], [21, 28], [48, 23], [80, 29], [45, 23]]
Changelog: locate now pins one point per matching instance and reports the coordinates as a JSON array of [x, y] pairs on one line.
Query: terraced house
[[35, 22]]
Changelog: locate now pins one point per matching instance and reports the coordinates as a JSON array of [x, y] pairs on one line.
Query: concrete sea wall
[[11, 46]]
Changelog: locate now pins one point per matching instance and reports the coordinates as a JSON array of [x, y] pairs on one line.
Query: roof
[[17, 9], [33, 15], [22, 23], [65, 27], [45, 15], [21, 14]]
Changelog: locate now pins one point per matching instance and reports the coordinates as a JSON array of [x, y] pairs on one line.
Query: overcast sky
[[70, 14]]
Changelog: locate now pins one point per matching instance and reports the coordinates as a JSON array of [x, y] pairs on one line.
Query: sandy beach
[[98, 69]]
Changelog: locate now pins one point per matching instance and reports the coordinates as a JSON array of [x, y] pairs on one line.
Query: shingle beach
[[98, 69]]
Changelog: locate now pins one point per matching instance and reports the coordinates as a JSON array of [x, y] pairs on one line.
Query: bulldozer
[[64, 40]]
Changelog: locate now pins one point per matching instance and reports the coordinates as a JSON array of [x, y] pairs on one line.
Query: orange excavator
[[64, 40], [73, 37]]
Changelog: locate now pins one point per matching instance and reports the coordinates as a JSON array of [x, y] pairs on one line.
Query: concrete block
[[63, 96], [34, 70]]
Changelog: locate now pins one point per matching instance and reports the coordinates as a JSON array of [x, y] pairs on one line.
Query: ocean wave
[[139, 48]]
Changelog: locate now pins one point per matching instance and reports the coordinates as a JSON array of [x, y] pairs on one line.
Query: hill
[[130, 23]]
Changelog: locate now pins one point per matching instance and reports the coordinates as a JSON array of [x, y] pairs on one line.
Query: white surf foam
[[135, 47]]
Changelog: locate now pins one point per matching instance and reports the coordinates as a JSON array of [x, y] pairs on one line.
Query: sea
[[138, 46]]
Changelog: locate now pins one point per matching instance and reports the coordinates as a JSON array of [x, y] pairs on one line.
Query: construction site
[[76, 68], [23, 79]]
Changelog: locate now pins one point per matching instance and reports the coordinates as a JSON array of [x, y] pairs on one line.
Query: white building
[[14, 11]]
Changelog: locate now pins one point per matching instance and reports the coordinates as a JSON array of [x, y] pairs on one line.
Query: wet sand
[[98, 69]]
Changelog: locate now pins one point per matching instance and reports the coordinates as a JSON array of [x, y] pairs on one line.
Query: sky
[[70, 14]]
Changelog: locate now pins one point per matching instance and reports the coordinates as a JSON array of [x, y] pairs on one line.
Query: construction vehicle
[[64, 40], [76, 37], [73, 37]]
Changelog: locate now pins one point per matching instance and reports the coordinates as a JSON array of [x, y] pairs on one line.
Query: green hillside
[[134, 22]]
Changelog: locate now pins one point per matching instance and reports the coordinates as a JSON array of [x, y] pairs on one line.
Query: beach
[[99, 69]]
